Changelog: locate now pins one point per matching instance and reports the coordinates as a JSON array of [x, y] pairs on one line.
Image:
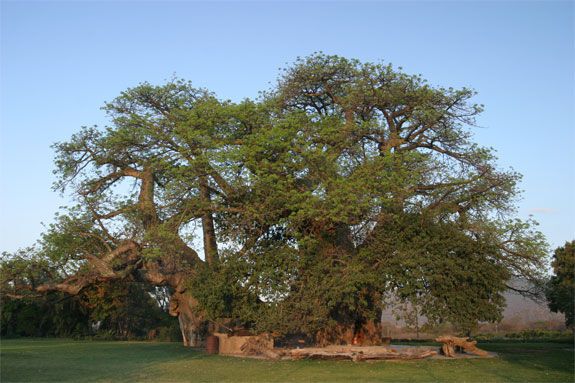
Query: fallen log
[[452, 343], [302, 353], [358, 354], [397, 356]]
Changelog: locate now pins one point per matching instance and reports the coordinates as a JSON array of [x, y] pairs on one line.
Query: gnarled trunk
[[185, 307]]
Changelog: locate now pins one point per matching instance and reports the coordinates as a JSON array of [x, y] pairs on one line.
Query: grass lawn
[[92, 361]]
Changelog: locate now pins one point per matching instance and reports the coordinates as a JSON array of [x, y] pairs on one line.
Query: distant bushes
[[529, 336]]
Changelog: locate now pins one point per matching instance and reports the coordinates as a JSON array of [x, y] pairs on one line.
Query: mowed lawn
[[92, 361]]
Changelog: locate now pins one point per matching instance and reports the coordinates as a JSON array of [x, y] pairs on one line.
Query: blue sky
[[61, 60]]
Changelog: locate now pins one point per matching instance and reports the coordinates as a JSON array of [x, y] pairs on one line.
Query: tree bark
[[209, 232], [450, 343], [185, 307]]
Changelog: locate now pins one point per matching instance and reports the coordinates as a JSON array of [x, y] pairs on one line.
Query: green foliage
[[450, 276], [328, 293], [53, 315], [221, 294], [561, 287], [123, 308]]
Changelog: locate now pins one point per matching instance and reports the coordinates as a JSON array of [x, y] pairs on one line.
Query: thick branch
[[210, 244], [102, 266], [66, 287], [146, 199], [123, 248], [108, 180], [222, 183]]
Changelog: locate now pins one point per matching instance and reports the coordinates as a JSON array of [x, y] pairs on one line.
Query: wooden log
[[319, 353], [358, 355], [451, 343], [447, 350], [395, 356]]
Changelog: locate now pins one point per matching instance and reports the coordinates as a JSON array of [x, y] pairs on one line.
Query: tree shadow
[[543, 357]]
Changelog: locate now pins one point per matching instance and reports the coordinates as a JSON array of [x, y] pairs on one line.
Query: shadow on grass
[[539, 356], [65, 360]]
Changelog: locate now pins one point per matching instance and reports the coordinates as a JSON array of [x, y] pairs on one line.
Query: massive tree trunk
[[174, 271], [184, 306]]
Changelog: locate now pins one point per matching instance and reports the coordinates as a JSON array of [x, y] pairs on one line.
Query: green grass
[[92, 361]]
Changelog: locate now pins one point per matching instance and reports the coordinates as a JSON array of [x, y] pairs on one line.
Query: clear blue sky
[[61, 60]]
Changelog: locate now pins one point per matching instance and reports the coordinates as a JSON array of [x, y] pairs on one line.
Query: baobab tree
[[344, 182]]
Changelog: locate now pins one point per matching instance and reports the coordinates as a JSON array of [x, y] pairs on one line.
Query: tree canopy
[[345, 182]]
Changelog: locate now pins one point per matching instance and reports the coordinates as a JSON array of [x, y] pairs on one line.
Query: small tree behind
[[561, 288]]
